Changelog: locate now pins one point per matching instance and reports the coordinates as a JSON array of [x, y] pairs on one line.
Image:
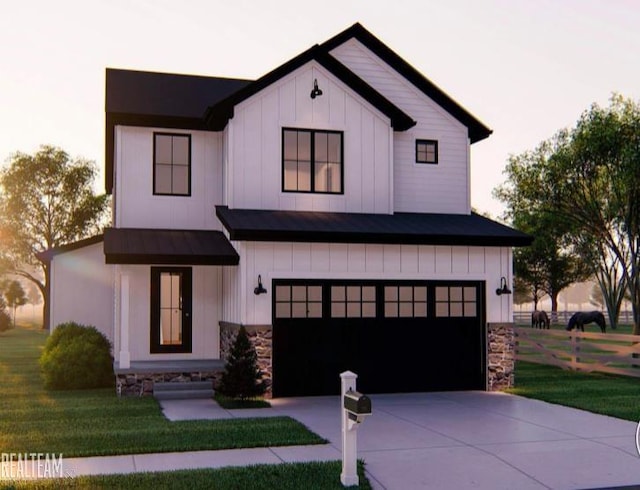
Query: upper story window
[[426, 151], [171, 164], [312, 161]]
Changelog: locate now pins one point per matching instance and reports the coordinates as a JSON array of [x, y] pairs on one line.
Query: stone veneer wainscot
[[500, 356]]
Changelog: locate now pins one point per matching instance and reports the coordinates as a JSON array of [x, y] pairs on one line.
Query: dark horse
[[539, 319], [578, 320]]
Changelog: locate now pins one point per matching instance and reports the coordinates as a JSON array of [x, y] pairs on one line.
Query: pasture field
[[616, 396]]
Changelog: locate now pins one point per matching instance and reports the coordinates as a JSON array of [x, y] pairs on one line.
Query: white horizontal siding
[[82, 289], [137, 207], [255, 136], [441, 188], [369, 261]]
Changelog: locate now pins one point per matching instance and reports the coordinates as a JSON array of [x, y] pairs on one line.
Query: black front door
[[171, 302]]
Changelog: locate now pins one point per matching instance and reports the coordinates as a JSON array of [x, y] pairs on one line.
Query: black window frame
[[155, 164], [312, 133], [187, 305], [427, 142], [431, 303]]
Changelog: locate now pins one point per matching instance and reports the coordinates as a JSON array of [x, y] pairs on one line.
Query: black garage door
[[398, 336]]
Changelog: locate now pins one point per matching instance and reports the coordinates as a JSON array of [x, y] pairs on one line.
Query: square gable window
[[426, 151], [312, 161], [171, 164]]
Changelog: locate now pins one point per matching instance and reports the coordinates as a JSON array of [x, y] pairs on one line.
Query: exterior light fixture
[[259, 289], [503, 289], [315, 92]]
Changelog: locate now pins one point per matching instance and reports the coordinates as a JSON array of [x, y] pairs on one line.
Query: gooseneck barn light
[[503, 289], [260, 288], [315, 92]]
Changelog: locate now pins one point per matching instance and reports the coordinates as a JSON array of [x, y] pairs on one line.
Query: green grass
[[233, 403], [97, 422], [617, 396], [325, 475]]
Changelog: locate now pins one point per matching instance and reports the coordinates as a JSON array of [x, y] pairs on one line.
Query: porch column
[[125, 356]]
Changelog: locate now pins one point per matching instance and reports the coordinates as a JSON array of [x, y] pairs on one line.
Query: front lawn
[[96, 422], [284, 476], [617, 396]]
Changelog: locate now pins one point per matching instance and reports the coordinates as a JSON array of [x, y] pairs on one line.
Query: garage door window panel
[[353, 301], [405, 301], [456, 302], [298, 301]]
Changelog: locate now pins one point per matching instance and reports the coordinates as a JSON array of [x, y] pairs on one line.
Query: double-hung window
[[312, 161], [171, 164]]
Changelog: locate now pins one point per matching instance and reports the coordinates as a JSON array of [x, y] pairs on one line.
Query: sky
[[526, 68]]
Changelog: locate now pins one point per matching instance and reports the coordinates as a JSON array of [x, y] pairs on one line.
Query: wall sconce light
[[260, 289], [503, 289], [315, 92]]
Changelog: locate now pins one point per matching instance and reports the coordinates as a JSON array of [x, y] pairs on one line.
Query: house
[[325, 206]]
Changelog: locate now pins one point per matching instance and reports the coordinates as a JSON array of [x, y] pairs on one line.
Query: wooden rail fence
[[580, 351]]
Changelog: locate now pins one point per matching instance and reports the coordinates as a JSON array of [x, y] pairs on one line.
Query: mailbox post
[[354, 407]]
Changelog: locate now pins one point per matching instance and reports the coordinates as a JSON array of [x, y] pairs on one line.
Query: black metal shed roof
[[398, 228], [185, 247]]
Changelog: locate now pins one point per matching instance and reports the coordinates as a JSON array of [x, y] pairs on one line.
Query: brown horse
[[539, 319]]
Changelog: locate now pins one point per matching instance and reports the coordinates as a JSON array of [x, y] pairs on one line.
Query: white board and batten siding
[[361, 261], [424, 188], [135, 204], [83, 291], [255, 138], [206, 313]]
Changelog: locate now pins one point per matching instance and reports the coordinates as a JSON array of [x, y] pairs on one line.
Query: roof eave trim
[[125, 258], [374, 238], [477, 130], [50, 254], [218, 116]]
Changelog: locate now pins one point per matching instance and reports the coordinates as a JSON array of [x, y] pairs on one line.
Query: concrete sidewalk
[[429, 440]]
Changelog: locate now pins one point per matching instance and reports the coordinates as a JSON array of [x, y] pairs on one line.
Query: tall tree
[[596, 185], [550, 264], [46, 201], [15, 297], [590, 179]]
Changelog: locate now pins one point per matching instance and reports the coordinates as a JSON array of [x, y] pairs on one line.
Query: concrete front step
[[185, 390], [186, 385], [183, 394]]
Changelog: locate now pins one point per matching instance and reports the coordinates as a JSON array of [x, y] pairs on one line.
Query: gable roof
[[167, 100], [399, 228], [218, 115], [477, 130]]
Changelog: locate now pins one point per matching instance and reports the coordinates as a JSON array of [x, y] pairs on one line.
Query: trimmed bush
[[77, 357]]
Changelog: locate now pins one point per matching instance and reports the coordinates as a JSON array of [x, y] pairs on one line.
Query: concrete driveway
[[480, 440], [461, 440]]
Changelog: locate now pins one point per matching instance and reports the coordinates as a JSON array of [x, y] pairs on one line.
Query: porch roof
[[399, 228], [168, 247]]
